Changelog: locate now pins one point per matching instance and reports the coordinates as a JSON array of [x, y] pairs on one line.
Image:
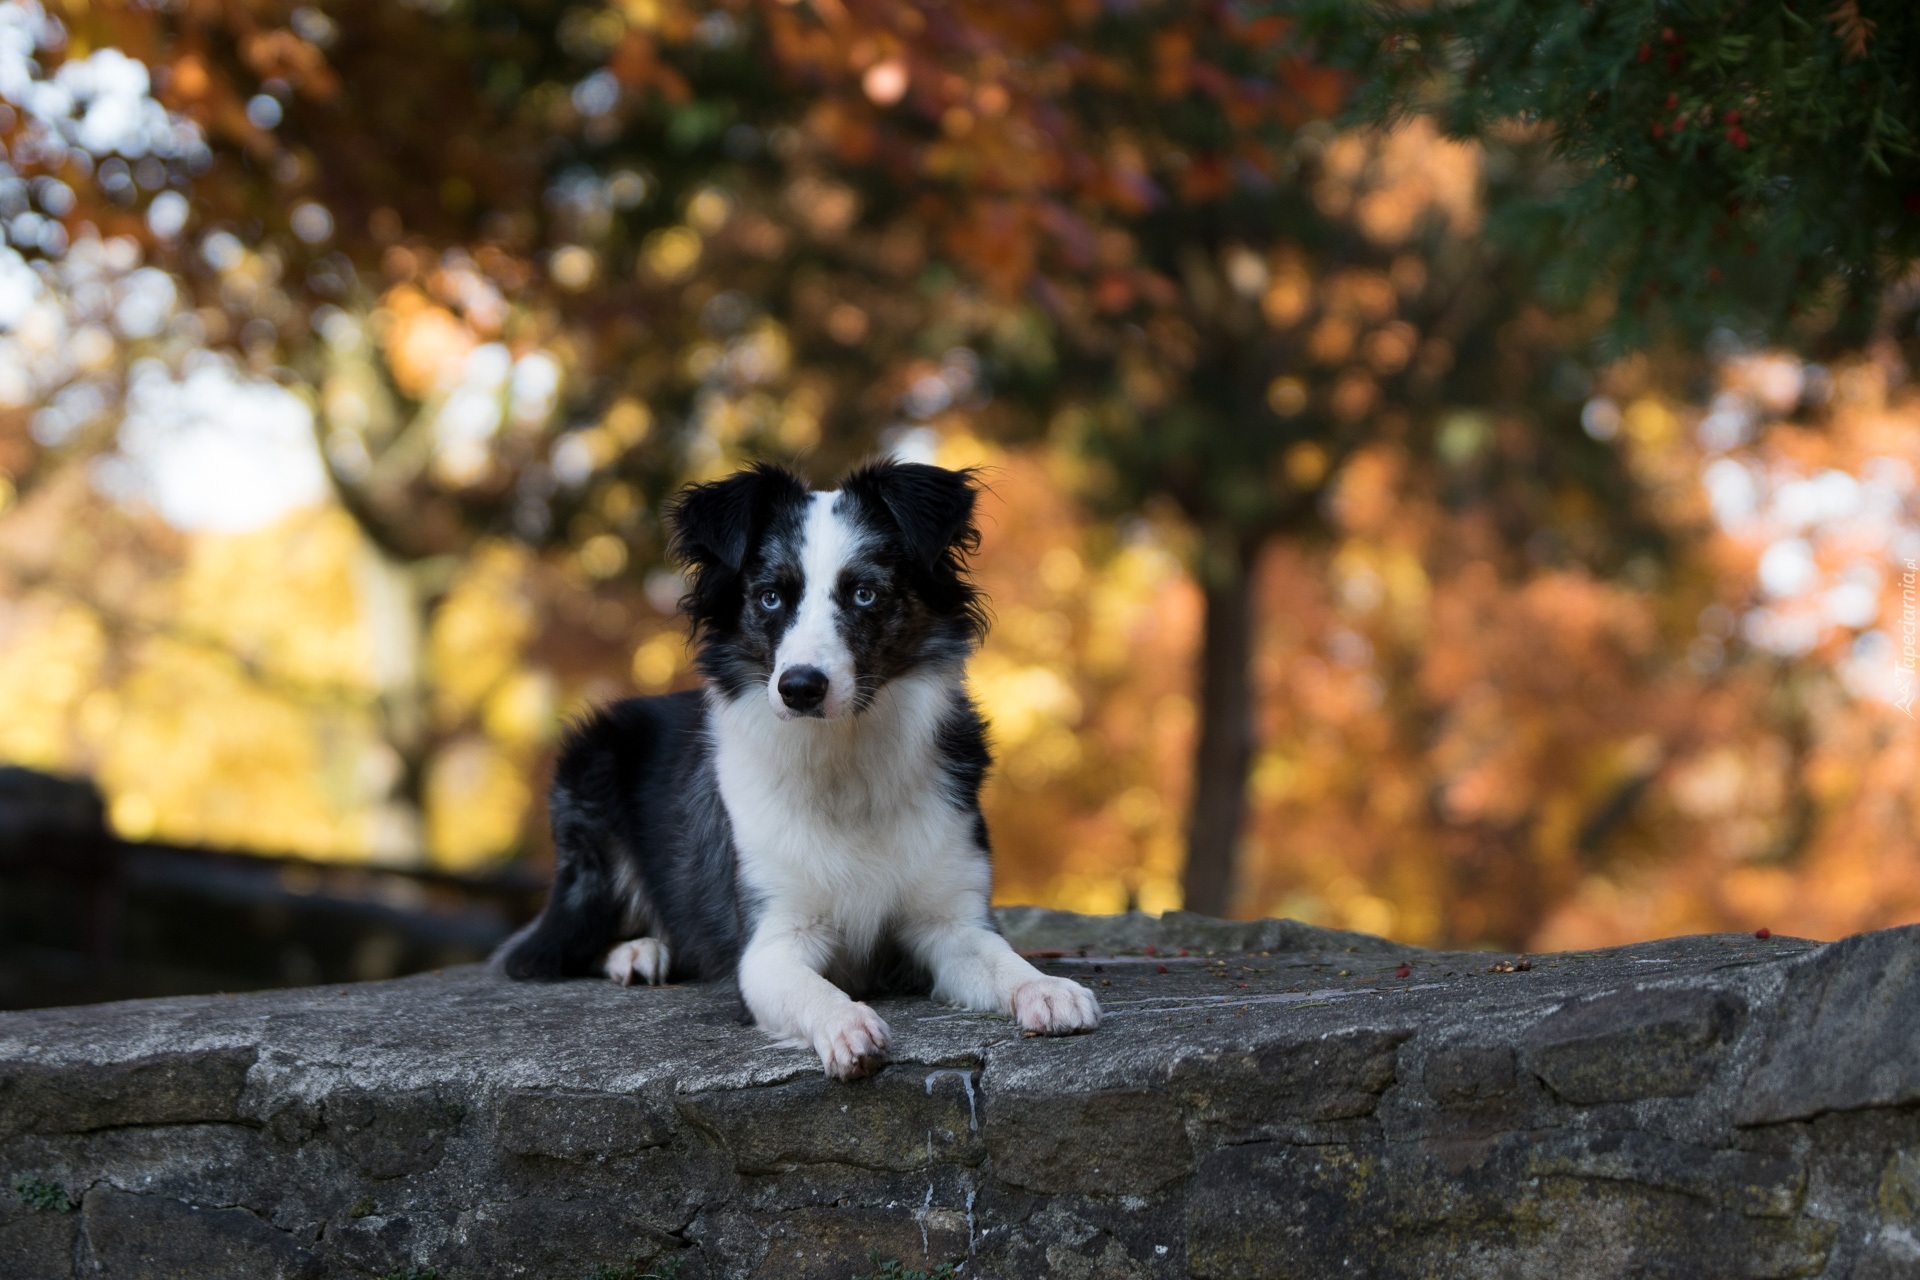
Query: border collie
[[807, 824]]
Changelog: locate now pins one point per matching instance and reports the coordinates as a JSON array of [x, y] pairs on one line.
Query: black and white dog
[[809, 823]]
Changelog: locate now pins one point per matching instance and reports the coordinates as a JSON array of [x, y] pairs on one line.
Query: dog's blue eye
[[863, 596], [769, 599]]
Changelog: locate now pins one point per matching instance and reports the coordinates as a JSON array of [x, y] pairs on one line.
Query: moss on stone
[[43, 1194]]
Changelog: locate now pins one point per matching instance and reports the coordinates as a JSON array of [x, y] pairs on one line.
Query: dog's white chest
[[848, 822]]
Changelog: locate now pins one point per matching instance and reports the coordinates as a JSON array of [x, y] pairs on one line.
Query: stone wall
[[1264, 1100]]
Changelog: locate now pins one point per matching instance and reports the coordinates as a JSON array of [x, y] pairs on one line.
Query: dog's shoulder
[[633, 734]]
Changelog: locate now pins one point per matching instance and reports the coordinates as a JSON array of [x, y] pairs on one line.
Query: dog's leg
[[580, 921], [974, 967], [645, 959], [781, 982]]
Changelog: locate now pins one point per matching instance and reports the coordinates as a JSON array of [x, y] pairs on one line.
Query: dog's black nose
[[803, 689]]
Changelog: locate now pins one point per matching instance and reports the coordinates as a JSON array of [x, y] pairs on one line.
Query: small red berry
[[1645, 52], [1159, 968], [1673, 100], [1243, 986], [1732, 117], [1763, 934], [1738, 137], [1404, 971], [1183, 951], [1151, 950], [1669, 35], [1659, 130]]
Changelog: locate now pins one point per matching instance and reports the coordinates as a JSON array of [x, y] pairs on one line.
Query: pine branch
[[1854, 28]]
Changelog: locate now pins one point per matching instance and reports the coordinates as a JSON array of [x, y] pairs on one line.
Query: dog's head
[[822, 598]]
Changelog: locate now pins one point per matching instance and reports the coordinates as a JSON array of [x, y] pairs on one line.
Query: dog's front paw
[[854, 1044], [1055, 1007], [642, 959]]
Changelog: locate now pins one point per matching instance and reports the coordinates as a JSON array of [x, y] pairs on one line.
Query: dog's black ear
[[714, 523], [931, 506]]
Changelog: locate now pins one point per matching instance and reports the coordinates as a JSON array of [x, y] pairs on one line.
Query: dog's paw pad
[[855, 1045], [639, 960], [1055, 1007]]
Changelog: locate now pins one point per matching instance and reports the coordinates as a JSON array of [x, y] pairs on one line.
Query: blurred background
[[1411, 511]]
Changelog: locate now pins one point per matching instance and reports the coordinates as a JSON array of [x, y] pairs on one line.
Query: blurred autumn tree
[[524, 334], [523, 268], [1253, 301], [1131, 228], [1236, 299]]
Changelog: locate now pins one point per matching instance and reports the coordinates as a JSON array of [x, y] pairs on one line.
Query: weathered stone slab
[[831, 1244], [1278, 1102], [1656, 1042], [156, 1088], [1846, 1033], [1388, 1210], [36, 1244], [1280, 1089], [1103, 1143], [1463, 1074], [897, 1120], [393, 1134], [155, 1238], [1041, 929], [572, 1125]]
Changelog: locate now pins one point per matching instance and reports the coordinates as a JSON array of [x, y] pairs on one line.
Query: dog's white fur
[[846, 829], [814, 640]]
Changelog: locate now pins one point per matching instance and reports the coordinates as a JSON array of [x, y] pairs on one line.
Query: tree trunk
[[1224, 751]]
